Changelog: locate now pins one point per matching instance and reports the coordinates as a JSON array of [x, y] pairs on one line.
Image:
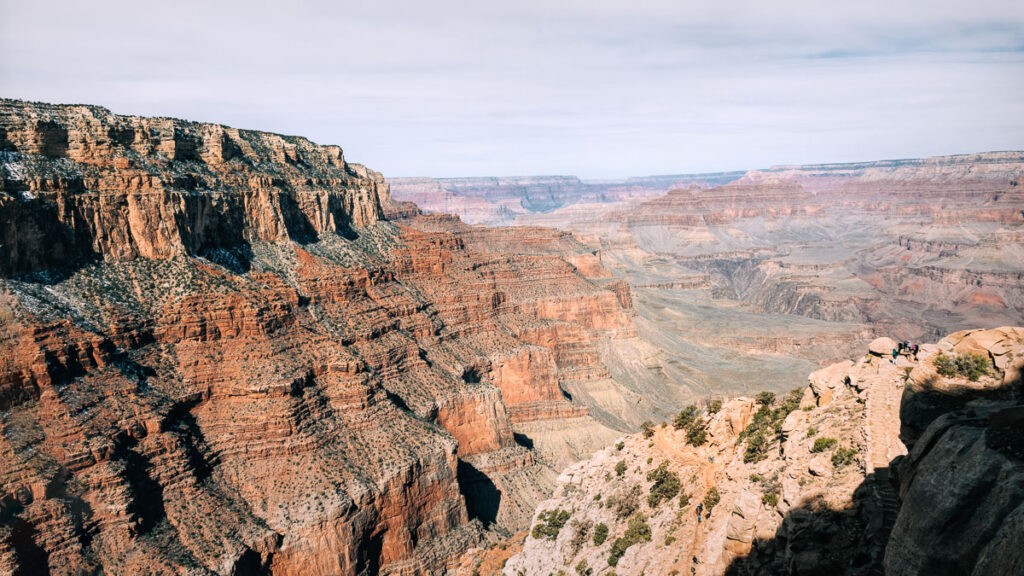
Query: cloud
[[597, 88]]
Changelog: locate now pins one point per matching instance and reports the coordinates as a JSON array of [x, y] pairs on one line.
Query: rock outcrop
[[218, 356], [817, 483]]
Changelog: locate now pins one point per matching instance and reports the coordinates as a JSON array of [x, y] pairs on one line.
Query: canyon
[[751, 280], [229, 352], [233, 352]]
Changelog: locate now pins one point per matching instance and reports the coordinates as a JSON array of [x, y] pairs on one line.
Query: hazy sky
[[589, 87]]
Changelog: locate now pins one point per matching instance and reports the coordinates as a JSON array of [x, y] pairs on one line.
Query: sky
[[594, 88]]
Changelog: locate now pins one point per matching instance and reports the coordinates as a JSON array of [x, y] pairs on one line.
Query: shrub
[[551, 523], [711, 498], [714, 406], [696, 433], [771, 499], [597, 497], [684, 500], [944, 365], [648, 428], [600, 534], [811, 431], [685, 417], [637, 531], [579, 535], [669, 540], [757, 448], [843, 456], [619, 446], [766, 426], [665, 487], [971, 365], [583, 569], [625, 502], [620, 468], [822, 444]]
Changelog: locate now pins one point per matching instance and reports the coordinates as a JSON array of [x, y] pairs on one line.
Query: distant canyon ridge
[[761, 276]]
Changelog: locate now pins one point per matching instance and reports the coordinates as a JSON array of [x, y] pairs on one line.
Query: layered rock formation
[[819, 483], [217, 356]]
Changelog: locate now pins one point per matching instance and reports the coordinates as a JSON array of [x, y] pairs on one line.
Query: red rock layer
[[231, 364]]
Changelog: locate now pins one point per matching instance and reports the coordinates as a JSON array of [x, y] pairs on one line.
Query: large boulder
[[882, 346]]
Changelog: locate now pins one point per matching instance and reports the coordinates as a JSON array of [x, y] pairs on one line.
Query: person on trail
[[895, 354], [694, 559], [698, 518]]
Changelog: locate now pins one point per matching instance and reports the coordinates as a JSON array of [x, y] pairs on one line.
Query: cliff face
[[817, 483], [80, 183], [216, 356]]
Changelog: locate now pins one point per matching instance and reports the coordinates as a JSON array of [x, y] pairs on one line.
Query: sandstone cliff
[[819, 482], [217, 356]]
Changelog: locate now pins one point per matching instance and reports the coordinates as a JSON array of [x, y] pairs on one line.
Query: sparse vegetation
[[696, 432], [600, 534], [844, 456], [581, 529], [584, 569], [620, 468], [714, 406], [770, 499], [711, 499], [648, 429], [665, 487], [971, 365], [637, 531], [624, 502], [811, 431], [684, 500], [685, 417], [822, 444], [551, 523], [766, 427], [620, 445]]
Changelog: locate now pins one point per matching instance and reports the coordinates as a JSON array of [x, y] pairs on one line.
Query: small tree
[[620, 468], [712, 498], [600, 534]]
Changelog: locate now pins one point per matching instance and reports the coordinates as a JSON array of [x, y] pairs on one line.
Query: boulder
[[882, 346]]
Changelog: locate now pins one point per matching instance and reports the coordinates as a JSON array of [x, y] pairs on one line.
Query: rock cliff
[[817, 482], [217, 356]]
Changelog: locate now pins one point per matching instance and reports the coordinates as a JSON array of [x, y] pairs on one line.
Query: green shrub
[[684, 500], [648, 428], [619, 446], [696, 434], [583, 569], [757, 448], [843, 456], [765, 398], [766, 426], [970, 365], [771, 499], [637, 531], [714, 406], [822, 444], [665, 487], [551, 523], [620, 468], [945, 366], [811, 431], [600, 534], [711, 498], [685, 417], [669, 540]]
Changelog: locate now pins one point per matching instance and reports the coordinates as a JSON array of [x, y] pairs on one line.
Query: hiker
[[698, 518], [895, 354], [694, 559]]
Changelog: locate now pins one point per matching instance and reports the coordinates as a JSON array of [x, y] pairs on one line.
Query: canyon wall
[[218, 355]]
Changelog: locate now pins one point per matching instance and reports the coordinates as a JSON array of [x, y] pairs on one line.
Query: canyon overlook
[[225, 351]]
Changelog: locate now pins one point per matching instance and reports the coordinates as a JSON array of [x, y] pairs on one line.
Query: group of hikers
[[905, 349]]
